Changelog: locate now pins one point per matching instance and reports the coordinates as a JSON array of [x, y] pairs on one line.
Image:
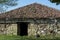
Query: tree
[[8, 2], [4, 4], [55, 1]]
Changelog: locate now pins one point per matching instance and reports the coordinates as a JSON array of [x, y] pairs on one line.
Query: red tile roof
[[32, 11]]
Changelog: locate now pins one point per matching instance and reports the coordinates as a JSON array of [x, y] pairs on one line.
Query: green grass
[[5, 37]]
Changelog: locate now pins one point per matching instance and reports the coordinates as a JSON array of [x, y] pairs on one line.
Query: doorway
[[22, 28]]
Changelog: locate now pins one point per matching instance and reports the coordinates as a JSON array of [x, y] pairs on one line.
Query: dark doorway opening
[[22, 28]]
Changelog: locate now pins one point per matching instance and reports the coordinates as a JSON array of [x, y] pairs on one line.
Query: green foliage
[[5, 37], [4, 4], [8, 2], [55, 1], [2, 1]]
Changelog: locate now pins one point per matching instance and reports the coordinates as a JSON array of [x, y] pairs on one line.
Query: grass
[[6, 37]]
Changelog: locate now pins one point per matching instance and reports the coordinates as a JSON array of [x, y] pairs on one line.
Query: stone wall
[[33, 29], [11, 29], [43, 29]]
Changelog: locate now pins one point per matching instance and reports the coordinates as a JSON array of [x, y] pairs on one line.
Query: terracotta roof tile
[[32, 11]]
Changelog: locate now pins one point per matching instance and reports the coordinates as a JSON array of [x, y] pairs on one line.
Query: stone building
[[30, 20]]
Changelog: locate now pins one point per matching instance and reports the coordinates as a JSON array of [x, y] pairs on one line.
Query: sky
[[22, 3]]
